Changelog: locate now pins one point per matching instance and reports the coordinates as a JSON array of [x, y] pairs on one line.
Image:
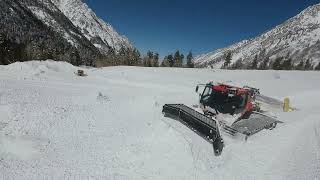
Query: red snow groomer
[[233, 109]]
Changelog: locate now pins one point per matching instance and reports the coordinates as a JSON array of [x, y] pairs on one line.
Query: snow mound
[[40, 69]]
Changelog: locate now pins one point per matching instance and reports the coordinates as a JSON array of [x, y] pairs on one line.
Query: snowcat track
[[203, 125]]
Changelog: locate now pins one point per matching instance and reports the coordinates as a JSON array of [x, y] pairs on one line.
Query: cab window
[[243, 100], [207, 91]]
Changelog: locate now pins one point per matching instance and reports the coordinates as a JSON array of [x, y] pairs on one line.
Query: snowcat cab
[[225, 99]]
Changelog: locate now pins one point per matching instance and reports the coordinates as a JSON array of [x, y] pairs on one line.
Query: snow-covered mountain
[[297, 38], [38, 30], [51, 16], [50, 29], [100, 33]]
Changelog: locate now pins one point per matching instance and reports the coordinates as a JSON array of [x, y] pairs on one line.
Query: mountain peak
[[100, 33], [297, 38], [66, 30]]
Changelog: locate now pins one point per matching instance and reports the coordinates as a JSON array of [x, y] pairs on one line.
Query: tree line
[[177, 60], [132, 57], [264, 63]]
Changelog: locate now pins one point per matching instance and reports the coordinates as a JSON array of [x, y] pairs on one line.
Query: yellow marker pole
[[286, 105]]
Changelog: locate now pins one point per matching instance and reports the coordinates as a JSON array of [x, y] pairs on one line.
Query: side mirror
[[197, 89]]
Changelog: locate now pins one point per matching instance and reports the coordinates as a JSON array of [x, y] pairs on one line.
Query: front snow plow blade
[[203, 125]]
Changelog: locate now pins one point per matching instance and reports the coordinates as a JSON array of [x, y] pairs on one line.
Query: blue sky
[[198, 25]]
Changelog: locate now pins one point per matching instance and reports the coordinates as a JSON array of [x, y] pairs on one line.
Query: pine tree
[[317, 68], [149, 59], [262, 54], [264, 64], [156, 60], [287, 56], [254, 64], [308, 65], [227, 60], [277, 63], [300, 66], [122, 56], [164, 62], [77, 58], [177, 59], [136, 58], [170, 60], [145, 60], [190, 63], [181, 60], [2, 50], [150, 54], [287, 64]]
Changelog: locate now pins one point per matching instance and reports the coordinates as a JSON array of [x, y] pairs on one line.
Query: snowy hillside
[[64, 30], [109, 125], [50, 15], [38, 30], [297, 38], [100, 33]]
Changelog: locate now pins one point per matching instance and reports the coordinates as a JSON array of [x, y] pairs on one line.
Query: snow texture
[[109, 125]]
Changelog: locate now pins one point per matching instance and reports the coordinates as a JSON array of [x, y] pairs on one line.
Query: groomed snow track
[[203, 125]]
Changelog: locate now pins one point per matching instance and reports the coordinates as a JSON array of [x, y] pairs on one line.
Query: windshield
[[223, 102], [207, 91]]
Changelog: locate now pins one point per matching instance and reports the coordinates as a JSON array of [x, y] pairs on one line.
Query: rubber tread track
[[203, 125]]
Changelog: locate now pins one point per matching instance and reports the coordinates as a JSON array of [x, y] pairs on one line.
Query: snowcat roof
[[228, 89]]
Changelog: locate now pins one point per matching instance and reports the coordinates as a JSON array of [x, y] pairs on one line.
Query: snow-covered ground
[[109, 125]]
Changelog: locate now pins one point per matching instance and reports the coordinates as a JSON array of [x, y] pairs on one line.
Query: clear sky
[[198, 25]]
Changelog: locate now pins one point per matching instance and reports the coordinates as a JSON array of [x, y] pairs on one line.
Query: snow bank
[[39, 69], [109, 125]]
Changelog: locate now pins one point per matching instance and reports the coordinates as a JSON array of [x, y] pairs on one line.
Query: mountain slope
[[50, 29], [100, 33], [298, 38], [51, 16], [25, 36]]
